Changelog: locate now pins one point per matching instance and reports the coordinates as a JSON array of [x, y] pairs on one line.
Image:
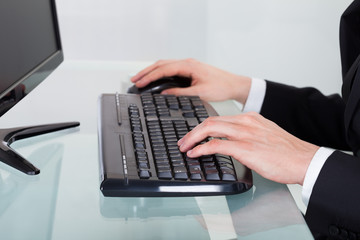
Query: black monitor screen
[[30, 50], [29, 47]]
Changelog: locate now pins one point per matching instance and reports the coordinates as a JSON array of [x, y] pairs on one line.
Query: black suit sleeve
[[333, 208], [307, 114], [334, 203]]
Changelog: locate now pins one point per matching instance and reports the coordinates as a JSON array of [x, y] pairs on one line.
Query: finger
[[143, 72], [211, 127], [243, 126], [172, 68], [250, 122], [148, 69], [196, 135], [216, 146]]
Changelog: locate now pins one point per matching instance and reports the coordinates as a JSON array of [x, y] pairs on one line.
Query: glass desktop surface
[[65, 202]]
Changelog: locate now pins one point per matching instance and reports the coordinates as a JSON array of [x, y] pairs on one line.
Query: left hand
[[206, 81], [256, 142]]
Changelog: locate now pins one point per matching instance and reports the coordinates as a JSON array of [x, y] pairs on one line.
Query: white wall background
[[289, 41]]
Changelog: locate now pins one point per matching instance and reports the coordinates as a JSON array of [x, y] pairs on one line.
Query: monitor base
[[7, 136]]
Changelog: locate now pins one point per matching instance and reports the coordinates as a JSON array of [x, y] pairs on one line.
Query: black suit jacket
[[333, 121]]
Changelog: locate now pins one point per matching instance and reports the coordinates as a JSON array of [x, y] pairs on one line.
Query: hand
[[254, 141], [208, 82]]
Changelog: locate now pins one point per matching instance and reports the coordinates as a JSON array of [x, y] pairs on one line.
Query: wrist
[[240, 88], [308, 155], [313, 171]]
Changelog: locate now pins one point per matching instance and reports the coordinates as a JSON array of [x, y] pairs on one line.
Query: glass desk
[[64, 201]]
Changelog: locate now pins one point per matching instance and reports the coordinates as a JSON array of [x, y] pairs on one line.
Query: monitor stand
[[10, 135]]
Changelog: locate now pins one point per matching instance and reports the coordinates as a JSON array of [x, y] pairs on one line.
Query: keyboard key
[[164, 174], [144, 174], [159, 149], [159, 144], [207, 158], [177, 163], [192, 122], [209, 165], [180, 173], [143, 165], [192, 162], [162, 163], [195, 172], [176, 154], [141, 154], [195, 176], [139, 145], [174, 105], [189, 114], [212, 175], [227, 174], [160, 154]]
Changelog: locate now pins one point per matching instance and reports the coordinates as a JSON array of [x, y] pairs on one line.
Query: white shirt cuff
[[313, 171], [256, 96]]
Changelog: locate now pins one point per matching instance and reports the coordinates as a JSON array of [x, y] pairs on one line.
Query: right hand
[[256, 142], [208, 82]]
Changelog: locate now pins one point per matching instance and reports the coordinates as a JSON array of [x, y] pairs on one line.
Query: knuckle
[[191, 63], [214, 143], [210, 121], [252, 114], [247, 118], [159, 62], [190, 60], [250, 117]]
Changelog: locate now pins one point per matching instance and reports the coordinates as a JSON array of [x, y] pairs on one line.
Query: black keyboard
[[139, 156]]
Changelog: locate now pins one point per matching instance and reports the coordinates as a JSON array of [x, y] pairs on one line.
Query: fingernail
[[180, 142], [189, 153]]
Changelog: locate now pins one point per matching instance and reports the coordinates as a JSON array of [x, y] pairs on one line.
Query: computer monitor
[[30, 49]]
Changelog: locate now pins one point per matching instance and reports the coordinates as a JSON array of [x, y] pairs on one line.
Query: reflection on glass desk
[[65, 202], [242, 216], [28, 203]]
